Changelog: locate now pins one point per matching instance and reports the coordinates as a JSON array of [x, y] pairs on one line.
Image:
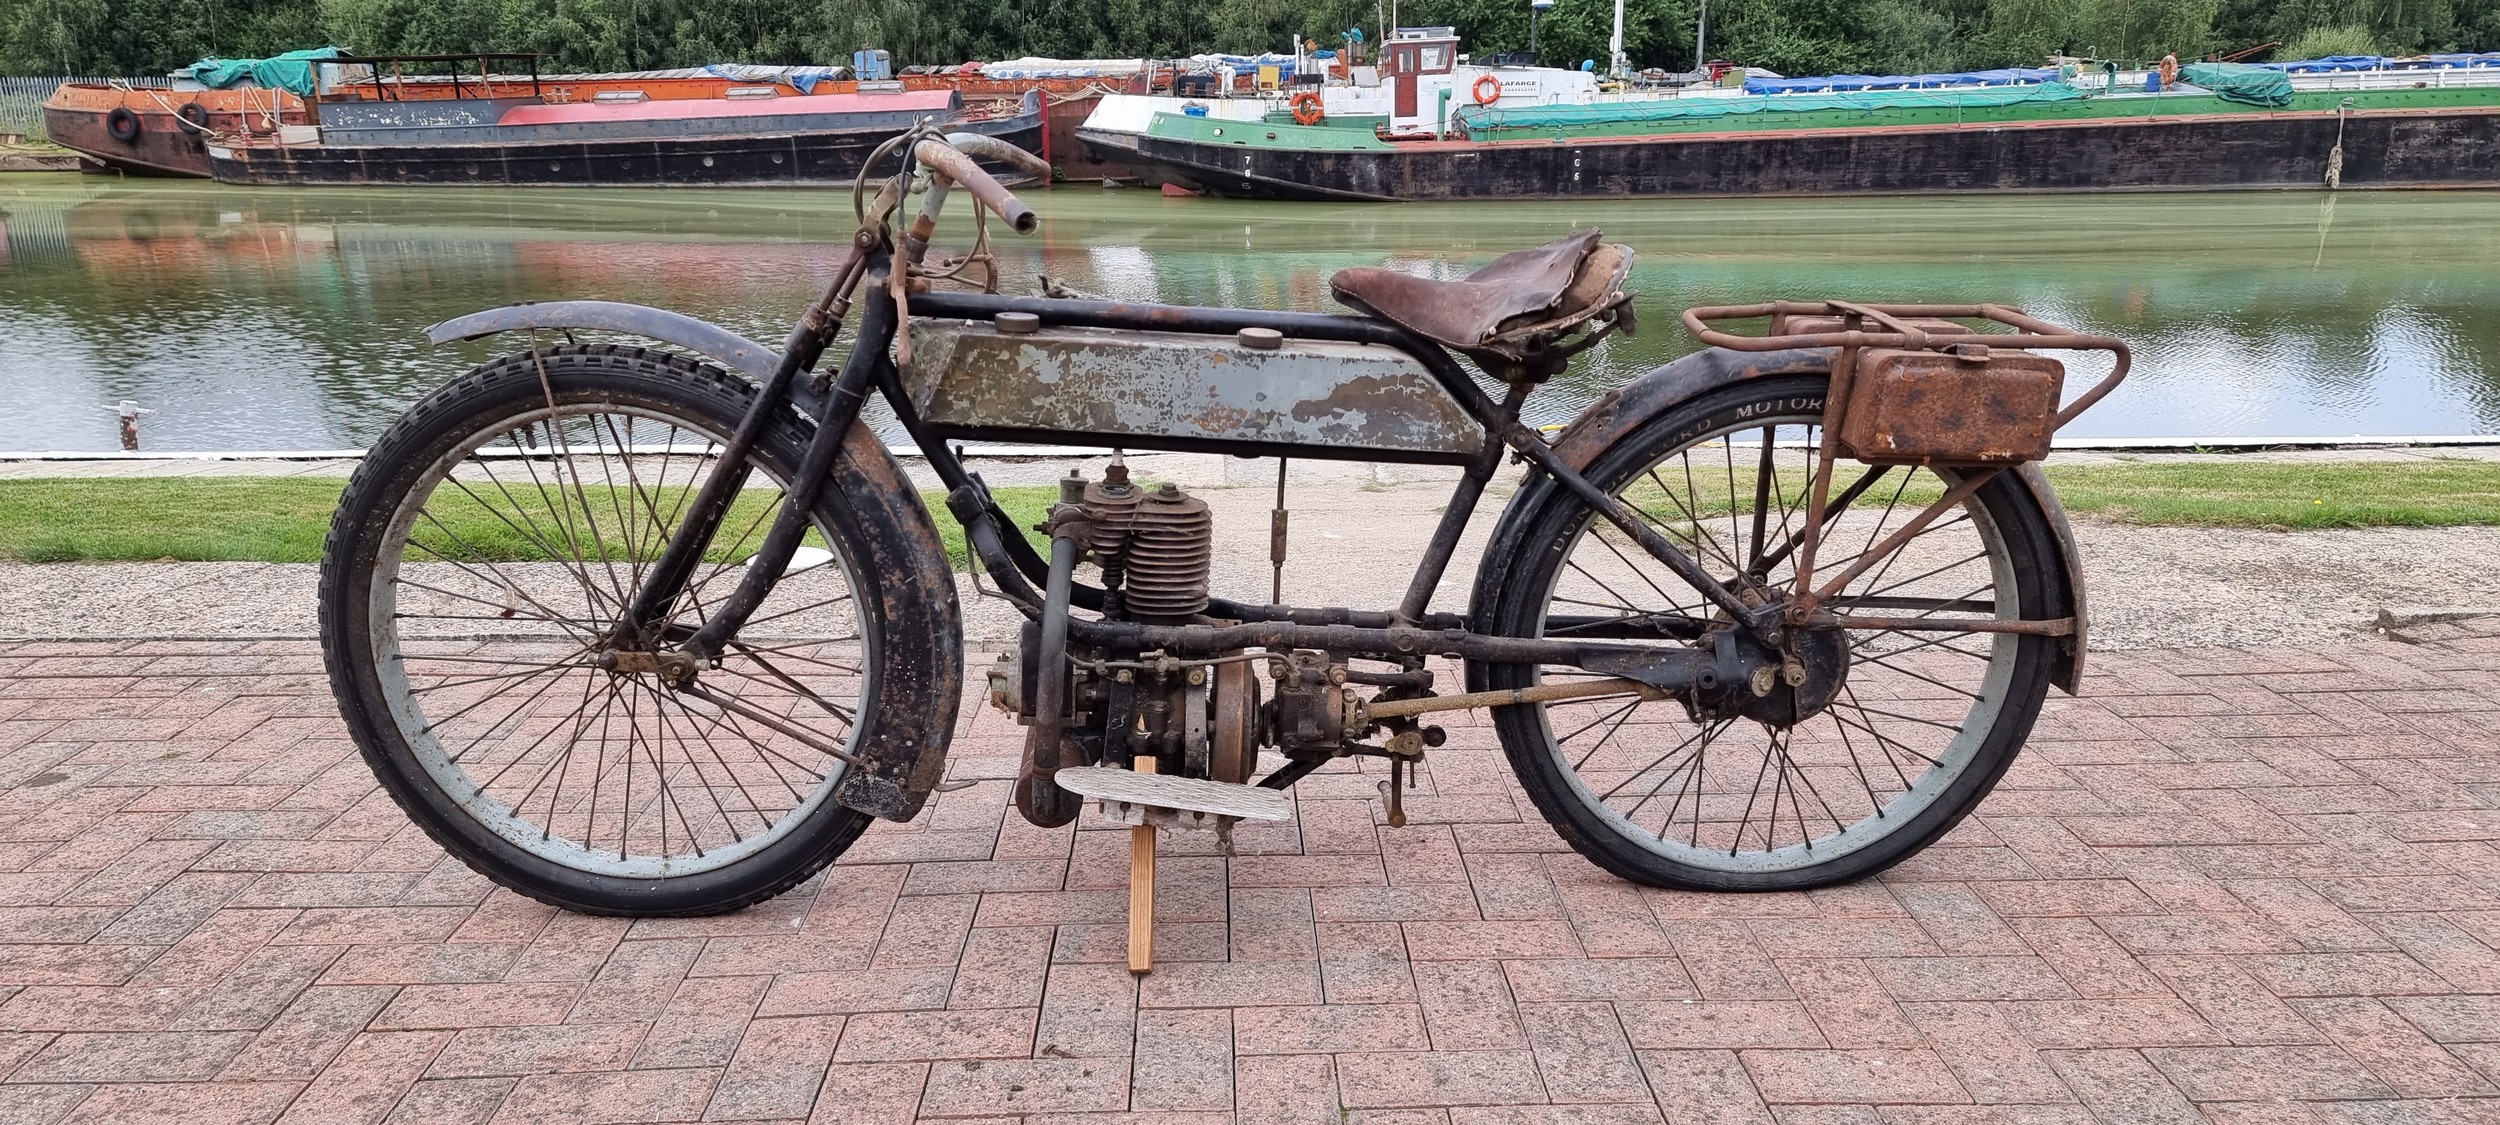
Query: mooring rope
[[123, 85], [2335, 156], [1091, 89]]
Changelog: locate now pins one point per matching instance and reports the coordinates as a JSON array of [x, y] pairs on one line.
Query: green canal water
[[290, 319]]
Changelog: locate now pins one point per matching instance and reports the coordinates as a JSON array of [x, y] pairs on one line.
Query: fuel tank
[[1175, 391]]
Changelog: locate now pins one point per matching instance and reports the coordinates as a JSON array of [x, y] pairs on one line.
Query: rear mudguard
[[905, 751], [1614, 417]]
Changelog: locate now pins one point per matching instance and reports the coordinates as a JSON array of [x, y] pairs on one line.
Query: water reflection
[[284, 319]]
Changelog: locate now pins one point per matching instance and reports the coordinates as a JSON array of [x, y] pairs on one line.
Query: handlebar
[[987, 147], [952, 158]]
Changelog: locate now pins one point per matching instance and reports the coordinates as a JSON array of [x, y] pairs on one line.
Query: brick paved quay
[[2236, 886]]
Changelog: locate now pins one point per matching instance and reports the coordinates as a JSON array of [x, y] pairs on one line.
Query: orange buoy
[[1307, 108], [1488, 90]]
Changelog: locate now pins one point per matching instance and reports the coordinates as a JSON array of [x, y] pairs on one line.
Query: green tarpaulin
[[1494, 118], [292, 71], [2240, 82]]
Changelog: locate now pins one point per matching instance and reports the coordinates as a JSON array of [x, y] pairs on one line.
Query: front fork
[[655, 602]]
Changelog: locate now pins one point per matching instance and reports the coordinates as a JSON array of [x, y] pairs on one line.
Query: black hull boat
[[1434, 127], [2449, 147], [659, 145]]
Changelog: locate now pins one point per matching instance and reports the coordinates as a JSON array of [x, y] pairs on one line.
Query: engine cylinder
[[1171, 554], [1111, 503]]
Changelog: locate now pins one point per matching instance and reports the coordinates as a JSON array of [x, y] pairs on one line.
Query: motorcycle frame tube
[[1501, 422], [1674, 671], [1391, 635]]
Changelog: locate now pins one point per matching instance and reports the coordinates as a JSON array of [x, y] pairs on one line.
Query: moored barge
[[153, 131], [1437, 129], [165, 130], [162, 130], [805, 139]]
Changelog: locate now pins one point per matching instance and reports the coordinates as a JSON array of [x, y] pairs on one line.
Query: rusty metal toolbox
[[1910, 386], [1969, 405]]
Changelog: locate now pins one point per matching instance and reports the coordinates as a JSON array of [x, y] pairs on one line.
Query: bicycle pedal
[[1132, 798]]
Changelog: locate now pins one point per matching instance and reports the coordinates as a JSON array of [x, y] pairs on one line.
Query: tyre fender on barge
[[170, 125]]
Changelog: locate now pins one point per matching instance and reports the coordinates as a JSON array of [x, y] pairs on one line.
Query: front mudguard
[[905, 751], [702, 337], [1625, 409]]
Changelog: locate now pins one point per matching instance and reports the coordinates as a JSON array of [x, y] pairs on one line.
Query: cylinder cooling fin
[[1170, 555]]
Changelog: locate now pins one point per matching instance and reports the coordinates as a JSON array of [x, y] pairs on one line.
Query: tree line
[[136, 37]]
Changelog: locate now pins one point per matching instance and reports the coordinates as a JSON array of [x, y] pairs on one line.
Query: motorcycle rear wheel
[[1922, 726]]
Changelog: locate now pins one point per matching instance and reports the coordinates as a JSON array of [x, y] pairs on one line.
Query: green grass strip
[[2294, 495], [283, 519]]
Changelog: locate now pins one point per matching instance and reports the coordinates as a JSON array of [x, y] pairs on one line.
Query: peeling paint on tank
[[1141, 385]]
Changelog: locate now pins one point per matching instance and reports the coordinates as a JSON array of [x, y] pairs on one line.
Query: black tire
[[122, 125], [2017, 670], [906, 614], [193, 115]]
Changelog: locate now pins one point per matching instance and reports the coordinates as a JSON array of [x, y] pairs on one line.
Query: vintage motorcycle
[[652, 631]]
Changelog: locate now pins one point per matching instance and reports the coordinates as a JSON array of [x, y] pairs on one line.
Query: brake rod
[[1537, 693], [2043, 627]]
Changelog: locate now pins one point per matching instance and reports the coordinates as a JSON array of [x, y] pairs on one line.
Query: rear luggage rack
[[1911, 387]]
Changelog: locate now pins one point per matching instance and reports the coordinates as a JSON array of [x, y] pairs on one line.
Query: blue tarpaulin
[[1844, 83], [801, 78], [2328, 65], [2339, 63], [292, 71]]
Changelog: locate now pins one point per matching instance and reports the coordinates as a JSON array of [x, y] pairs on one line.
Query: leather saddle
[[1520, 295]]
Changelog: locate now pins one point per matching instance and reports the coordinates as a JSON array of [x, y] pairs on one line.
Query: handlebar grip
[[946, 161]]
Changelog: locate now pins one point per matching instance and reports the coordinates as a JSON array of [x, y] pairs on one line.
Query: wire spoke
[[585, 767], [590, 592], [1699, 735], [500, 579], [1742, 787]]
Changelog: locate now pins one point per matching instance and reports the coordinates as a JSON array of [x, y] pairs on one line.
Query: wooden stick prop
[[1141, 890]]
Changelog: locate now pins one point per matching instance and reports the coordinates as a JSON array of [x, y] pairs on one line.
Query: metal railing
[[21, 100]]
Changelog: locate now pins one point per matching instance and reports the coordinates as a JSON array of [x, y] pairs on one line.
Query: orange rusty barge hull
[[79, 116]]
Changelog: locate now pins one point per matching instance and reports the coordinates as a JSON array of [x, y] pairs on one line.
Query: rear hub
[[1778, 687]]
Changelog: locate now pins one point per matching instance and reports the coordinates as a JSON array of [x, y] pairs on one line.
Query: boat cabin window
[[1420, 58]]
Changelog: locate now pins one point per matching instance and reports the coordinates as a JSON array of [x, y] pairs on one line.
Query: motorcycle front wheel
[[471, 594]]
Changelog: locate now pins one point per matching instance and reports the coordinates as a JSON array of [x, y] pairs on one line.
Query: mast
[[1701, 27], [1615, 62]]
